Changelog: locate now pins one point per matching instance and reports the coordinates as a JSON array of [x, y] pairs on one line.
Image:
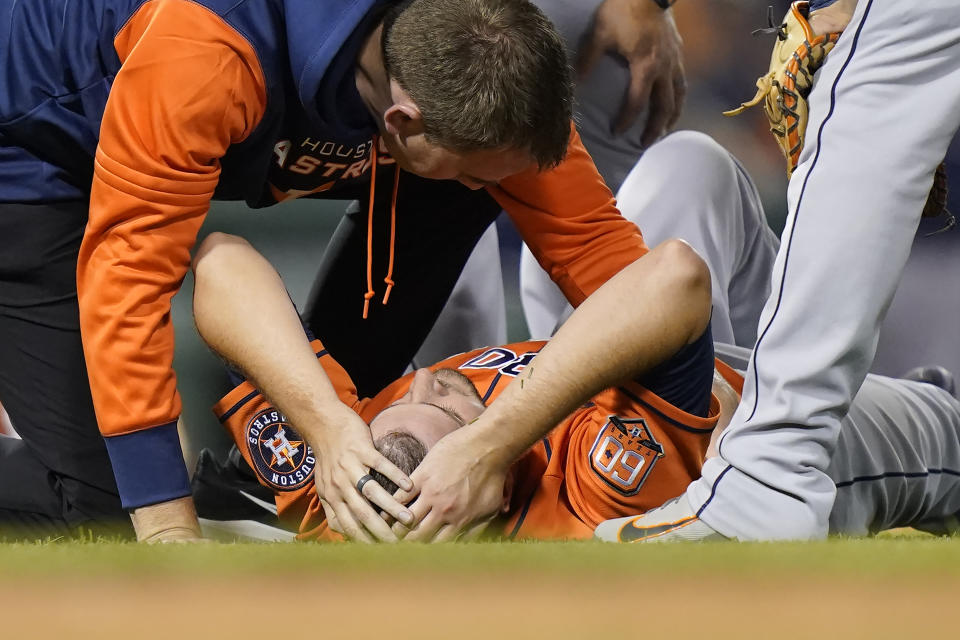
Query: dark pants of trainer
[[438, 224], [58, 477]]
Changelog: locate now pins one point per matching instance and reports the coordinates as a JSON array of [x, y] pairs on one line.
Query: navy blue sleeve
[[686, 379], [148, 466]]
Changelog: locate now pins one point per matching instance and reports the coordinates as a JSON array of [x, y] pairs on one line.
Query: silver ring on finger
[[362, 481]]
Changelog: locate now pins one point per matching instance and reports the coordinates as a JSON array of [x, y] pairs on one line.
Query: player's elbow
[[217, 256], [218, 272], [691, 270], [689, 278]]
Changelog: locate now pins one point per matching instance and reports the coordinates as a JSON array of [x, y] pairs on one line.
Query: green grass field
[[894, 586]]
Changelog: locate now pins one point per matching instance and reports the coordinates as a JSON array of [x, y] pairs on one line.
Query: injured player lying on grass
[[636, 424]]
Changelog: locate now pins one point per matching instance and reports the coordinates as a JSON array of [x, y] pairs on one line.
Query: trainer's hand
[[644, 35], [459, 489], [171, 521], [345, 453], [833, 18]]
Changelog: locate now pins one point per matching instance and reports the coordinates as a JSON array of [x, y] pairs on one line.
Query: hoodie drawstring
[[393, 235], [393, 231]]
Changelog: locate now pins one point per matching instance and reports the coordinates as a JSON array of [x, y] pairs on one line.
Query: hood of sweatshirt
[[323, 41]]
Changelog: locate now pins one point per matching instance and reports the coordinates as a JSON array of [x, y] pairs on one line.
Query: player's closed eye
[[454, 413], [450, 412]]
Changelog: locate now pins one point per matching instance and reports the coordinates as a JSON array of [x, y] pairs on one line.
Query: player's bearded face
[[437, 403]]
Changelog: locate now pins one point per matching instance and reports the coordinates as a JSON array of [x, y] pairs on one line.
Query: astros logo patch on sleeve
[[281, 458], [624, 453]]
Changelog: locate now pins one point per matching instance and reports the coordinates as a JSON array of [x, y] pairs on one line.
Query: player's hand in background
[[459, 489], [646, 37], [345, 453]]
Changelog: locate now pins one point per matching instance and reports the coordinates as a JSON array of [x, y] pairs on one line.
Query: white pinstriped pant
[[882, 112]]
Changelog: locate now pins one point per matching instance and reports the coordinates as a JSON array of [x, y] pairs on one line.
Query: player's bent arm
[[242, 310], [638, 319]]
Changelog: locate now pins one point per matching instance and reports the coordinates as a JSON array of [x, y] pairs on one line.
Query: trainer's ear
[[402, 118], [403, 121]]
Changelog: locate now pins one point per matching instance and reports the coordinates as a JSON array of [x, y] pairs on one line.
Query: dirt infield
[[852, 589], [384, 607]]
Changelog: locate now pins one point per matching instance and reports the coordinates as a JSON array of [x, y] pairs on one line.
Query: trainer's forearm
[[635, 321], [244, 313]]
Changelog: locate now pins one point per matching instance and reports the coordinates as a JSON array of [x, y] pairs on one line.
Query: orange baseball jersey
[[622, 453]]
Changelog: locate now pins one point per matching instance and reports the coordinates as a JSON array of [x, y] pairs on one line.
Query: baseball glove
[[797, 56]]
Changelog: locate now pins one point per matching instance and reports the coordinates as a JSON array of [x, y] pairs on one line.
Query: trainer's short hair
[[486, 74], [402, 449]]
